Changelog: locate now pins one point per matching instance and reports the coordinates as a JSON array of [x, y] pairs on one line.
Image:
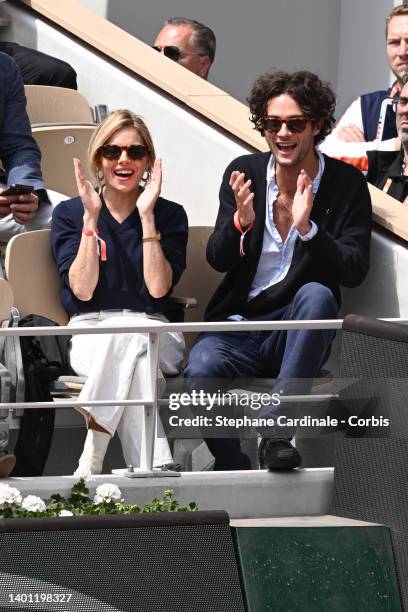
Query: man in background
[[369, 122], [20, 158], [38, 68], [189, 43], [388, 170]]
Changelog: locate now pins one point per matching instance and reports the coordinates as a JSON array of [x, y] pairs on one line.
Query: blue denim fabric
[[284, 355]]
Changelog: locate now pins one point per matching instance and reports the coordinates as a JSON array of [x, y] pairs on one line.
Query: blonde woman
[[119, 250]]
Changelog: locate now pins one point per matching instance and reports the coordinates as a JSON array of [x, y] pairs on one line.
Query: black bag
[[45, 358]]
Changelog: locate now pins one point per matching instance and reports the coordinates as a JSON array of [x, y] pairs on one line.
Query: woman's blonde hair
[[115, 121]]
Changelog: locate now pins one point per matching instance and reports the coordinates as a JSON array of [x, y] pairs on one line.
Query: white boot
[[91, 460]]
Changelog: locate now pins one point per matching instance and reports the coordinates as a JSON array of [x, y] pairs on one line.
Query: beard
[[403, 136]]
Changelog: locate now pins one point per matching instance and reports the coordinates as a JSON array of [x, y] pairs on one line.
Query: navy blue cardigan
[[337, 255], [121, 284]]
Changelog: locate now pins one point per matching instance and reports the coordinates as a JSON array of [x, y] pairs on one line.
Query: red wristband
[[100, 244], [238, 227]]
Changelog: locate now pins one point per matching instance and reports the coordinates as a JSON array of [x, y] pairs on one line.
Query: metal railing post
[[150, 408]]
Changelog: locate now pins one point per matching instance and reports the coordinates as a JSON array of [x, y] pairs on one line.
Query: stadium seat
[[47, 104], [32, 273], [10, 363], [59, 144]]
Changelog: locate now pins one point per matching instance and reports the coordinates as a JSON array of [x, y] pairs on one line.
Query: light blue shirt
[[277, 254]]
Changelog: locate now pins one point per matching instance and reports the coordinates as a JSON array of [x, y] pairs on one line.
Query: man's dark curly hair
[[315, 97]]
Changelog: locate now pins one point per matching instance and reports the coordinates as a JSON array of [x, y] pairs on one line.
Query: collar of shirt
[[395, 89], [271, 183], [272, 192], [276, 255]]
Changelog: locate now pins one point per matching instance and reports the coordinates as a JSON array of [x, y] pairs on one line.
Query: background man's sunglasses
[[170, 51], [135, 152], [295, 125], [174, 53]]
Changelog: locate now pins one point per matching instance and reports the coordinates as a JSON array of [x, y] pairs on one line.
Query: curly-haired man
[[293, 225]]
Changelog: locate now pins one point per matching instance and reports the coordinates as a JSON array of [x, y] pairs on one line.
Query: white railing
[[153, 329]]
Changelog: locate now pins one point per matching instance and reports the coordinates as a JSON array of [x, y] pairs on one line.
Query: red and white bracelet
[[238, 227], [100, 243]]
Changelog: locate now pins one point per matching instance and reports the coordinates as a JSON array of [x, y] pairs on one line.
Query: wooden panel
[[237, 120], [389, 212]]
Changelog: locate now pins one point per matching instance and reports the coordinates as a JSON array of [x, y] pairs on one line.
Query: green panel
[[318, 569]]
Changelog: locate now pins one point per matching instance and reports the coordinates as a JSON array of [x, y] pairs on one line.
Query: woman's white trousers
[[116, 368]]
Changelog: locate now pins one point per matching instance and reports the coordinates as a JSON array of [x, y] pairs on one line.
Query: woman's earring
[[99, 176], [145, 178]]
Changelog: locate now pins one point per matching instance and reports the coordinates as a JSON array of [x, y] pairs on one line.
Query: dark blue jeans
[[293, 358]]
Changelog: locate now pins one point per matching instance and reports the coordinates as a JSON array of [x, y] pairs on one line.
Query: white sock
[[91, 460]]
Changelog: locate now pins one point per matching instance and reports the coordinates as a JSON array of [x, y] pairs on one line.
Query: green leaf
[[80, 504]]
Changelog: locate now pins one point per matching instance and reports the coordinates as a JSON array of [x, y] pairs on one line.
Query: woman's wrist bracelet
[[155, 238], [100, 244]]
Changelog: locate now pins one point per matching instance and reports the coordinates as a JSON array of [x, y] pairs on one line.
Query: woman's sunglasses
[[297, 125], [135, 152]]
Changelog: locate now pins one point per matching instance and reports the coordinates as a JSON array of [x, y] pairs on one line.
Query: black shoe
[[261, 453], [278, 455], [171, 467]]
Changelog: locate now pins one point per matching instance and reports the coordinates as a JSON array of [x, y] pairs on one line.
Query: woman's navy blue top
[[121, 284]]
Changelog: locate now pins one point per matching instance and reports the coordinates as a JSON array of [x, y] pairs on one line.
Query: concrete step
[[243, 494]]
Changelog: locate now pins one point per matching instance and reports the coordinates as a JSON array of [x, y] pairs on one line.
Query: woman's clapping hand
[[148, 198], [90, 198]]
